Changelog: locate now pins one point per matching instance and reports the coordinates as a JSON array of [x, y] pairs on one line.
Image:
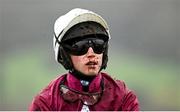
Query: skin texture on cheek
[[88, 65]]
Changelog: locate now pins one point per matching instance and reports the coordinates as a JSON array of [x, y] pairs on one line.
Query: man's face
[[89, 63]]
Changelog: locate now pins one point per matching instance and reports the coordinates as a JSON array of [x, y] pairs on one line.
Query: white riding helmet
[[72, 18]]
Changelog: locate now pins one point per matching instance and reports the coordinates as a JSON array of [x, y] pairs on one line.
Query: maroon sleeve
[[130, 102], [39, 104]]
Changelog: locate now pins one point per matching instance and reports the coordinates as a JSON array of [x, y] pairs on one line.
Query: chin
[[92, 73]]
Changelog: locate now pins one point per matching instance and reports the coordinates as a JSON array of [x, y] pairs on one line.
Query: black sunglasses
[[81, 47]]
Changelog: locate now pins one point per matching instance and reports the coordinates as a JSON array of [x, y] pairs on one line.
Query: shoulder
[[117, 83], [52, 87], [128, 97], [43, 99]]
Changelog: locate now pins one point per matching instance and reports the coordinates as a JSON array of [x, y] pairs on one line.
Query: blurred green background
[[144, 50]]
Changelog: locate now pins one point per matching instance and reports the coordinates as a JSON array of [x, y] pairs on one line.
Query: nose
[[90, 53]]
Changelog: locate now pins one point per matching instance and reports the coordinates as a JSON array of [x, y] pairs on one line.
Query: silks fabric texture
[[115, 97]]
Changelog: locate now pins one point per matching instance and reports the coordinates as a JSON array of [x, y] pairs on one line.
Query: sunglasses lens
[[90, 100], [81, 47], [71, 95], [98, 46], [68, 95]]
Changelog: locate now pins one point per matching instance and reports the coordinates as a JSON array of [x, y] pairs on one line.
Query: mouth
[[92, 63]]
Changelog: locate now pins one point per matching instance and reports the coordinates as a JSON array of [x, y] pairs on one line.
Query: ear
[[64, 58], [105, 59], [59, 57]]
